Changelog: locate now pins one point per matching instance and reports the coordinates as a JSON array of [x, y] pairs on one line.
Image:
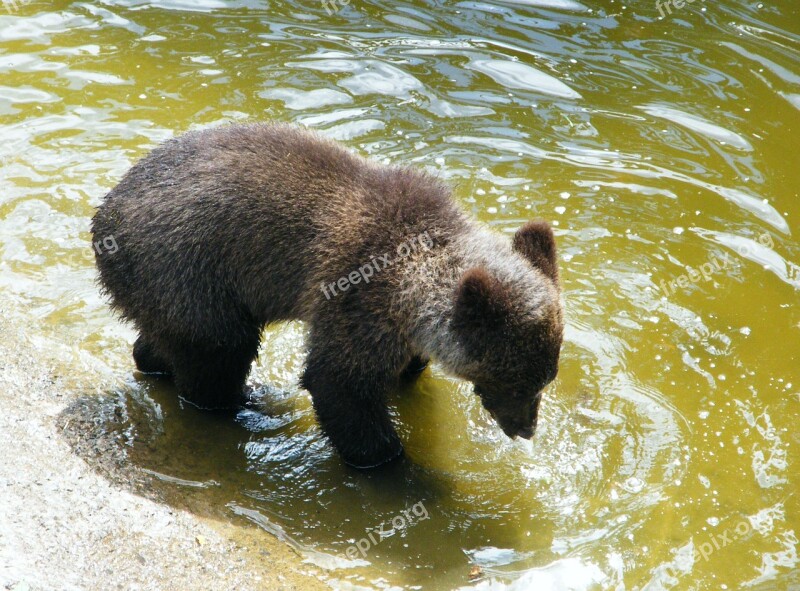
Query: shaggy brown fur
[[221, 232]]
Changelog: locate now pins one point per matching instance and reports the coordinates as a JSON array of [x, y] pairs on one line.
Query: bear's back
[[255, 216]]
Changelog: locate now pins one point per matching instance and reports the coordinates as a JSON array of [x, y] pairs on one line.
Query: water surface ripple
[[658, 147]]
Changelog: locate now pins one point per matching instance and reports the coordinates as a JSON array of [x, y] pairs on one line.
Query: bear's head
[[510, 327]]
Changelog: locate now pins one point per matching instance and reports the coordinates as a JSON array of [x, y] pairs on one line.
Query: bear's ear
[[480, 300], [535, 241]]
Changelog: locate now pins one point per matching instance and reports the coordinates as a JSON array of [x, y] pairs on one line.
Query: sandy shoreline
[[65, 526]]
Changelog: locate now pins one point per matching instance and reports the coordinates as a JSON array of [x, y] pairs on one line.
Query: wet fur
[[221, 232]]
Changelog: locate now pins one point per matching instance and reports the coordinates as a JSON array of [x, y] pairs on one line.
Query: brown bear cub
[[221, 232]]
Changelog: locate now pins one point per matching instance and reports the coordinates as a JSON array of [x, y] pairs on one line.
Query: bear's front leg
[[357, 423], [349, 395]]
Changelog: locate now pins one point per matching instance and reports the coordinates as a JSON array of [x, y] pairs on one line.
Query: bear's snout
[[518, 421], [527, 432], [514, 429]]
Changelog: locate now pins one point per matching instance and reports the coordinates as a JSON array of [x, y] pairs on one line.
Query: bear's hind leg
[[213, 378], [147, 359]]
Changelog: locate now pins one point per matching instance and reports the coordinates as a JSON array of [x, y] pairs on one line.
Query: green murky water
[[668, 453]]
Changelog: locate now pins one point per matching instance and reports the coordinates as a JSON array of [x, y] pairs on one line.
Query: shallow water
[[667, 454]]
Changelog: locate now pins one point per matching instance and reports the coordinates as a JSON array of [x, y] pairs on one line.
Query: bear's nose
[[526, 432]]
